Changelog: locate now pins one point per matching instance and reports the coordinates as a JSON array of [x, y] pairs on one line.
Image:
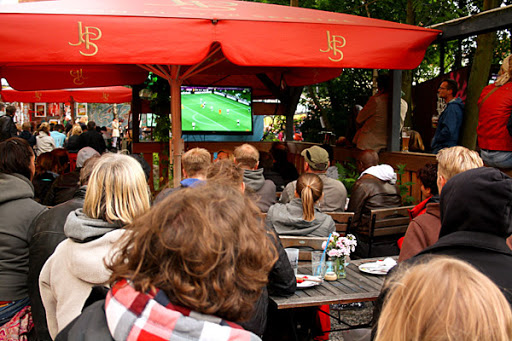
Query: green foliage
[[160, 105], [348, 174], [404, 187]]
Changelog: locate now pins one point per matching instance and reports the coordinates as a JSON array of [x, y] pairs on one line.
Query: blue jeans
[[7, 312], [496, 158]]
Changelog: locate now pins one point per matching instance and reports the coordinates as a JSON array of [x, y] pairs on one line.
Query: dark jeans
[[7, 312]]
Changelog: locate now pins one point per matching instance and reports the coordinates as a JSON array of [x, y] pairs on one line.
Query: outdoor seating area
[[246, 170]]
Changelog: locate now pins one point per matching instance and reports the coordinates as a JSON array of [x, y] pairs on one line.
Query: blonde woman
[[44, 142], [444, 299], [300, 217], [116, 193], [71, 143]]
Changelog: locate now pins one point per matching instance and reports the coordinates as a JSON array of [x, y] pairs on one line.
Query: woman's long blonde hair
[[444, 299], [117, 191], [309, 188]]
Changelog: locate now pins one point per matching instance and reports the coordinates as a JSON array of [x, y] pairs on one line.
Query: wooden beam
[[488, 21]]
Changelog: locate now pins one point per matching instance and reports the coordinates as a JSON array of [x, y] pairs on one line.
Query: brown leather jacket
[[371, 193]]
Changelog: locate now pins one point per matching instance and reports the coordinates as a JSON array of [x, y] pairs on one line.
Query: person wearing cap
[[375, 188], [335, 193], [65, 186]]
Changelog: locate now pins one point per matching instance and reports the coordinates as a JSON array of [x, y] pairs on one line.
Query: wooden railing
[[412, 161]]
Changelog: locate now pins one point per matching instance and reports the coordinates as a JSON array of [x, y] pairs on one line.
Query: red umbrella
[[210, 42], [113, 94]]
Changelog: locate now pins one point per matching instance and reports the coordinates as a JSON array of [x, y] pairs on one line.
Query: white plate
[[308, 284], [375, 268]]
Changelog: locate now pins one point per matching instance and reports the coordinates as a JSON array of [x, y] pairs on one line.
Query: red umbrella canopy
[[113, 94], [292, 46]]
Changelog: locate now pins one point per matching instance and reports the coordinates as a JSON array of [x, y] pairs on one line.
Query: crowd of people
[[201, 261]]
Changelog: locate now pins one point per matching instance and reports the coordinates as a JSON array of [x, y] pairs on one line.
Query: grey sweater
[[17, 212], [287, 220]]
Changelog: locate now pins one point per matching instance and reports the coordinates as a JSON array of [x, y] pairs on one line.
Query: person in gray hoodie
[[117, 192], [18, 210], [300, 217], [263, 191]]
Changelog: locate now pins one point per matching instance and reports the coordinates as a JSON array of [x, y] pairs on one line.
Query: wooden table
[[356, 287]]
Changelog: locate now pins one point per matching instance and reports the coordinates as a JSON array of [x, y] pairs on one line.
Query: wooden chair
[[387, 222], [342, 220], [304, 244]]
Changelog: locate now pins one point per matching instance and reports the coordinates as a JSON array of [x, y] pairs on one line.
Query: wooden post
[[394, 125], [176, 143]]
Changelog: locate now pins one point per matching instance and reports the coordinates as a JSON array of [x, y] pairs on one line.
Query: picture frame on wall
[[81, 109], [40, 109]]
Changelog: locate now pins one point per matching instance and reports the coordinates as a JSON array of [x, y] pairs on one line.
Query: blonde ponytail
[[309, 189]]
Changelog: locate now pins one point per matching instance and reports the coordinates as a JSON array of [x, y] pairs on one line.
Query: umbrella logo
[[78, 77], [334, 44], [85, 37]]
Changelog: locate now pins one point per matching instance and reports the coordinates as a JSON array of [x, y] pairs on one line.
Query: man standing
[[450, 121], [7, 125], [92, 138], [335, 193], [264, 191], [423, 231]]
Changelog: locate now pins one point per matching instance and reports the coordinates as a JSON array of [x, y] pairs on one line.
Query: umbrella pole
[[176, 143]]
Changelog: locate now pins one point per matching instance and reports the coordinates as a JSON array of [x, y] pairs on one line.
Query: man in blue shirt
[[58, 135], [450, 121]]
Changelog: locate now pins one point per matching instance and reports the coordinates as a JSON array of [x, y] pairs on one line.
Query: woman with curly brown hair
[[193, 261]]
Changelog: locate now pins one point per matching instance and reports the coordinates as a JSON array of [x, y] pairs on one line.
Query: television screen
[[223, 110]]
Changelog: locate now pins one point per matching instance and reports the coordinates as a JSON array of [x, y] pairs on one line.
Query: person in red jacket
[[495, 106]]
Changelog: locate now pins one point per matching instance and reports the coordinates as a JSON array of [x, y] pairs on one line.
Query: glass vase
[[339, 267]]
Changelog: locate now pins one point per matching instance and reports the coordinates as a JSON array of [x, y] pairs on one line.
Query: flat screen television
[[216, 110]]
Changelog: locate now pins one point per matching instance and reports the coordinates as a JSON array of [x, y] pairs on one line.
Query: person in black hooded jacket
[[476, 220]]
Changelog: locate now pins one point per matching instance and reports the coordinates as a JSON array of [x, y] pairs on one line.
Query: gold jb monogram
[[78, 77], [334, 44], [85, 37], [105, 96], [38, 95]]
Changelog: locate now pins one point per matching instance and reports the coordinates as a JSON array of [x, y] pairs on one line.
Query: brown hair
[[196, 161], [44, 163], [309, 188], [26, 126], [15, 157], [415, 142], [247, 156], [206, 248], [225, 172], [86, 170], [443, 299], [44, 127], [60, 160]]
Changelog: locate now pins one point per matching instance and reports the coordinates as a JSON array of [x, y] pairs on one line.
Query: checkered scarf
[[132, 315]]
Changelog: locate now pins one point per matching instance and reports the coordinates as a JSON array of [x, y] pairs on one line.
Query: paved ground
[[353, 316]]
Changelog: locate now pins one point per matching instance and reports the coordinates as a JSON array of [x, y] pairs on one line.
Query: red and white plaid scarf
[[132, 315]]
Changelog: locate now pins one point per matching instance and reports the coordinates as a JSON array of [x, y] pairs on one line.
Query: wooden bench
[[305, 245], [387, 222], [342, 220]]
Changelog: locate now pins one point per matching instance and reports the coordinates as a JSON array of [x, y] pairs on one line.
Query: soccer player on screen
[[220, 111], [238, 123], [193, 125], [227, 111]]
